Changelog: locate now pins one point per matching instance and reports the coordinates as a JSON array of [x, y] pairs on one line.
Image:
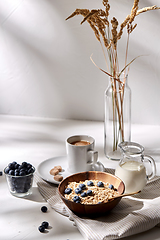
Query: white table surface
[[37, 139]]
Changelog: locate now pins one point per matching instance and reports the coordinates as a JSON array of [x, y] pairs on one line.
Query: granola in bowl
[[90, 192]]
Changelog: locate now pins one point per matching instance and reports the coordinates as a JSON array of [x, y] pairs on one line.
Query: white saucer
[[44, 168]]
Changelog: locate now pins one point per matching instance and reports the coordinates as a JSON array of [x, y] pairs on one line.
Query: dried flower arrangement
[[108, 34]]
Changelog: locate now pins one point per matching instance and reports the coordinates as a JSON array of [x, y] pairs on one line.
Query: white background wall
[[45, 66]]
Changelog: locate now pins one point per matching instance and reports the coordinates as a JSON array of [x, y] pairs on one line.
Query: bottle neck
[[118, 83]]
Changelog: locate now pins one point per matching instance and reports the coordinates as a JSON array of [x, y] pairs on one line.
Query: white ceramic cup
[[82, 158]]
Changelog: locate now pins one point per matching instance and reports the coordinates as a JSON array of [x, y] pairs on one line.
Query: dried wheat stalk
[[108, 31]]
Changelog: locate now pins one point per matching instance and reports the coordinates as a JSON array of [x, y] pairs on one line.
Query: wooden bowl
[[91, 209]]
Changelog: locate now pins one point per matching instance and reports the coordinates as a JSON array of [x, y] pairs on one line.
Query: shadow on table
[[35, 196], [151, 190]]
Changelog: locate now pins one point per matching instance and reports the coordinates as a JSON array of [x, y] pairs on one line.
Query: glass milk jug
[[134, 168]]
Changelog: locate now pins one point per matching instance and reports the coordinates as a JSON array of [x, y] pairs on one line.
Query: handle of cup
[[153, 166], [93, 157]]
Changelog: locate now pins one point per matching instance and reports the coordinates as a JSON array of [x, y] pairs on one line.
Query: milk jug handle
[[152, 164]]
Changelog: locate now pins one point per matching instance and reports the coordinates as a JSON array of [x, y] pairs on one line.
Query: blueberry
[[14, 162], [24, 164], [82, 186], [11, 172], [22, 173], [20, 167], [78, 190], [84, 194], [68, 191], [90, 183], [44, 209], [45, 224], [111, 186], [1, 173], [11, 166], [76, 199], [7, 170], [30, 170], [41, 228], [16, 172], [100, 184], [29, 165], [16, 166], [89, 192], [23, 169]]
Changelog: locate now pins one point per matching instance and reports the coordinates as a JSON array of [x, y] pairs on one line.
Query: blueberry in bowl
[[19, 178]]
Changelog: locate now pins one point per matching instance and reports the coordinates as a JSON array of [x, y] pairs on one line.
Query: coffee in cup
[[81, 143]]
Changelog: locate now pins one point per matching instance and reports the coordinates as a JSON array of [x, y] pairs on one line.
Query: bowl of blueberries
[[19, 178], [91, 193]]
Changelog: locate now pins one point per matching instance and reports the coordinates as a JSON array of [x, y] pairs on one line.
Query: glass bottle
[[117, 121]]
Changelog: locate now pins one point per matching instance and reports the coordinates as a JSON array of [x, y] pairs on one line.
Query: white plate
[[44, 168]]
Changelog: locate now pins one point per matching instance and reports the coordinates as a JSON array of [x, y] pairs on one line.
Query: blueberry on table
[[68, 191], [111, 186], [100, 184], [45, 224], [84, 194], [41, 228], [82, 186], [1, 173], [76, 199], [90, 183], [78, 190], [44, 209]]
